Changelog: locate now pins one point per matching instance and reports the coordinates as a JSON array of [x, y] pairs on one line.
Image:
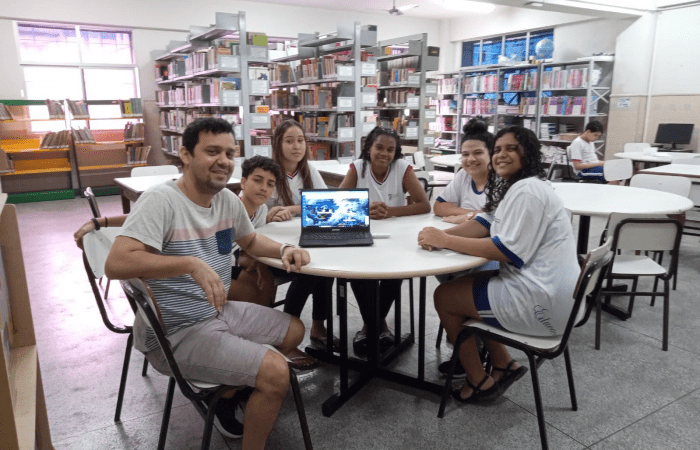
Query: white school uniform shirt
[[583, 151], [533, 293], [389, 191], [296, 184], [259, 219], [462, 192]]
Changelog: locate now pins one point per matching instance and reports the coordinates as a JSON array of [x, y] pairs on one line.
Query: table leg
[[126, 204]]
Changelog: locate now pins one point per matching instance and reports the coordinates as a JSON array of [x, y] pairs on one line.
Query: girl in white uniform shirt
[[527, 229], [382, 169], [464, 196], [290, 151]]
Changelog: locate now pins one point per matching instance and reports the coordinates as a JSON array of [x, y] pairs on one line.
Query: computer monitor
[[674, 133]]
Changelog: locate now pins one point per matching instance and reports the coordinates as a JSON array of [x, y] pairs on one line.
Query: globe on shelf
[[544, 49]]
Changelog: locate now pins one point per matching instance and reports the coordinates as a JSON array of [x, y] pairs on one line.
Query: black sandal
[[478, 395], [510, 376]]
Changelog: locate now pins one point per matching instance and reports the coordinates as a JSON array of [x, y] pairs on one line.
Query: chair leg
[[538, 400], [632, 296], [166, 414], [461, 337], [598, 314], [438, 341], [300, 409], [666, 311], [145, 367], [209, 423], [107, 288], [570, 379], [122, 383]]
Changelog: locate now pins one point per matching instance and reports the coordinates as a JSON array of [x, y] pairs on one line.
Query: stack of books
[[448, 86], [481, 83], [137, 154], [83, 136], [131, 108], [55, 109], [79, 109], [55, 140], [133, 132]]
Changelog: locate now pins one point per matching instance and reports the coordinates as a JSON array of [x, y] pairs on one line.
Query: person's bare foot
[[469, 392]]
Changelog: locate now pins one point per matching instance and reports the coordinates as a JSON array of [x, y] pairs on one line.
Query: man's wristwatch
[[285, 246]]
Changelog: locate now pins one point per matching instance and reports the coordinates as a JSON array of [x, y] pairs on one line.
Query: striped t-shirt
[[165, 219]]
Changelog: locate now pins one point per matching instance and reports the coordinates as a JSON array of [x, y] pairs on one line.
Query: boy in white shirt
[[582, 153]]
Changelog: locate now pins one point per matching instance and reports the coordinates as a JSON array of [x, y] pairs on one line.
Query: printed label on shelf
[[369, 98], [413, 80], [238, 132], [257, 53], [369, 69], [262, 150], [346, 133], [229, 62], [411, 132], [412, 101], [430, 114], [428, 141], [346, 103], [430, 89], [259, 87], [230, 98], [345, 72], [260, 120]]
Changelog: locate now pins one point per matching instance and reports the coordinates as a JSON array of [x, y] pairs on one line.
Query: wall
[[575, 40], [12, 85]]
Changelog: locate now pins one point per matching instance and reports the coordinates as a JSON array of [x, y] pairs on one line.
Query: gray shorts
[[227, 348]]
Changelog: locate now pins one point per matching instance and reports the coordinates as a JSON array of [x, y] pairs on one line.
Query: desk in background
[[396, 257], [333, 174], [655, 159], [131, 188]]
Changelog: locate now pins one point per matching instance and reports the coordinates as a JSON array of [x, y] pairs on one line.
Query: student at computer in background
[[290, 151], [583, 156], [524, 226], [382, 169], [464, 196], [179, 236]]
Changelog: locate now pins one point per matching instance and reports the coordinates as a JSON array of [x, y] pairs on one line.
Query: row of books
[[521, 81], [398, 124], [57, 139], [316, 97], [397, 97], [528, 106], [131, 108], [171, 144], [326, 126], [445, 106], [481, 83], [549, 130], [560, 78], [448, 86], [55, 109], [134, 131], [206, 59], [78, 108], [137, 154], [4, 112], [564, 105], [281, 99], [479, 106], [174, 120], [441, 124], [83, 136]]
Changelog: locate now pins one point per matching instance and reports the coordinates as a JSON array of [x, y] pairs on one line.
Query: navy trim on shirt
[[476, 191], [486, 224], [517, 262], [440, 199]]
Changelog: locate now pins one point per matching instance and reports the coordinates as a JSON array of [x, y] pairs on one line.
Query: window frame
[[480, 42]]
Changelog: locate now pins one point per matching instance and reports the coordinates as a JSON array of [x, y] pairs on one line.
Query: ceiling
[[446, 9]]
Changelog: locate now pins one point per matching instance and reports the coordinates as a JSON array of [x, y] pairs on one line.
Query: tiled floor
[[631, 394]]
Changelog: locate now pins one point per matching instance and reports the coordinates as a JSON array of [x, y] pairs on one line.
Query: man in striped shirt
[[180, 237]]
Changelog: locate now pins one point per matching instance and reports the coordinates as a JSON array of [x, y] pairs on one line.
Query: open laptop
[[335, 218]]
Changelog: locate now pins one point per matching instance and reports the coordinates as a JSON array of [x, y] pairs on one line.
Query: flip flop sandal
[[323, 342], [304, 362], [510, 376], [478, 395]]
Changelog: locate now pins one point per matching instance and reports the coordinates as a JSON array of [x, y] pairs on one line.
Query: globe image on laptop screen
[[333, 211]]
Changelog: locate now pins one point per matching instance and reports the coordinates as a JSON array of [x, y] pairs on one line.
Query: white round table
[[657, 158], [588, 199], [447, 160], [397, 257]]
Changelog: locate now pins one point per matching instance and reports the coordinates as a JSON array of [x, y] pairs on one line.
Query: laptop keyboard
[[333, 236]]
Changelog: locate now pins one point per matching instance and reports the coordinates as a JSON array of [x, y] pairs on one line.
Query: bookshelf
[[30, 160], [582, 92], [404, 95], [446, 128], [323, 86], [23, 419], [210, 75]]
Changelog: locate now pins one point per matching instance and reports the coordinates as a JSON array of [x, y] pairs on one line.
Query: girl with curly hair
[[525, 227]]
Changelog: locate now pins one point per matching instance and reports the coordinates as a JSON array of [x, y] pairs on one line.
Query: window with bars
[[78, 63], [518, 47]]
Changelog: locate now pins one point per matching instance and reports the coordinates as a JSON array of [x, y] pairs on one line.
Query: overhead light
[[535, 4], [466, 5]]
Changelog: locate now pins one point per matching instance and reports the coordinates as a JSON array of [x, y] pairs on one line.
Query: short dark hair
[[594, 126], [213, 125], [261, 162]]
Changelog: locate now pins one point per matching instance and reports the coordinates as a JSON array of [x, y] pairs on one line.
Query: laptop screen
[[343, 208]]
